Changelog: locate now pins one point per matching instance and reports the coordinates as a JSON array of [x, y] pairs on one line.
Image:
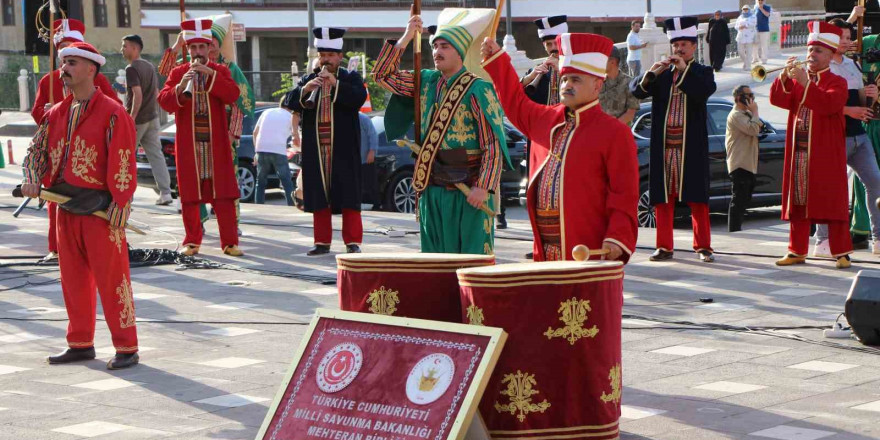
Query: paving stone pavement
[[213, 371]]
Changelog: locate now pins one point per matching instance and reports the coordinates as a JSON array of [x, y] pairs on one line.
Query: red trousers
[[53, 212], [92, 255], [224, 209], [665, 214], [352, 228], [799, 234]]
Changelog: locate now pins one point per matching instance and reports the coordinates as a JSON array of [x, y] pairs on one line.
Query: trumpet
[[312, 100], [759, 73], [534, 84]]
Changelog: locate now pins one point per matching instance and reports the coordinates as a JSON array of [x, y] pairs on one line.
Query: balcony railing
[[320, 4]]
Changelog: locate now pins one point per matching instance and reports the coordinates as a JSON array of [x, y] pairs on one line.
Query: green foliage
[[378, 95]]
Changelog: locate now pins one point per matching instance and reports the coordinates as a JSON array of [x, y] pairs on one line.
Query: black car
[[247, 173], [768, 187], [395, 168]]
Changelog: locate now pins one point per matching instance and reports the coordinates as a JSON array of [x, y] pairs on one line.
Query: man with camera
[[741, 143]]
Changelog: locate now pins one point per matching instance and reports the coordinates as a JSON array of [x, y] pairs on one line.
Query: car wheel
[[400, 195], [647, 218], [247, 181]]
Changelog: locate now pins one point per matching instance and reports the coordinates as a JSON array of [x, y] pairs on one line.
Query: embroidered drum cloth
[[421, 286], [559, 375]]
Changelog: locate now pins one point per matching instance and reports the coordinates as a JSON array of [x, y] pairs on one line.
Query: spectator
[[718, 38], [270, 143], [762, 14], [369, 176], [746, 36], [741, 142], [634, 47], [614, 97], [141, 87]]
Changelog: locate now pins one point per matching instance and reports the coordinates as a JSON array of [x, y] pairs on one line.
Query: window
[[8, 13], [123, 13], [718, 119], [100, 13], [642, 127]]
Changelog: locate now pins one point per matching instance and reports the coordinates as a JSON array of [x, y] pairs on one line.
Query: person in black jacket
[[679, 168], [718, 38], [331, 155]]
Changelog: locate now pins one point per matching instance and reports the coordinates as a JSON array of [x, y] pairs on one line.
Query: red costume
[[814, 184], [66, 30], [205, 172], [593, 202], [91, 145], [59, 91]]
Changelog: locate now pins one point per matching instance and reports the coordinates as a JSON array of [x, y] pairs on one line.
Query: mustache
[[568, 92]]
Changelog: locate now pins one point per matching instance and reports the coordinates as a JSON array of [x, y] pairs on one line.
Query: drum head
[[542, 267], [387, 257]]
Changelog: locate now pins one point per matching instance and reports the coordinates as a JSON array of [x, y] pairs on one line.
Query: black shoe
[[530, 255], [501, 223], [661, 255], [72, 355], [859, 241], [706, 256], [123, 360], [352, 249], [319, 249]]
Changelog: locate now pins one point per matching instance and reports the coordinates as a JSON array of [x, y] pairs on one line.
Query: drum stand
[[477, 430]]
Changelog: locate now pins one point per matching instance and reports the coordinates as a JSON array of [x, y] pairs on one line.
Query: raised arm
[[351, 92], [525, 114], [168, 98], [697, 82], [387, 71]]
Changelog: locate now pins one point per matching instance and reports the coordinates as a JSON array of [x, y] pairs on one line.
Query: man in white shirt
[[271, 133], [634, 45]]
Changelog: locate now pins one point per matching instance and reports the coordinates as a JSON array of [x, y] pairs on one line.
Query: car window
[[642, 127], [718, 119]]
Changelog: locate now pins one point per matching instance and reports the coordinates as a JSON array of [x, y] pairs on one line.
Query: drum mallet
[[60, 199], [583, 253], [403, 143]]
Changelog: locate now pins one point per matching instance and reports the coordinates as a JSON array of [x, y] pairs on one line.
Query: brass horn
[[759, 72]]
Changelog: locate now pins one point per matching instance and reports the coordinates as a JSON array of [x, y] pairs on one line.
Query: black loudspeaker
[[33, 45], [862, 308]]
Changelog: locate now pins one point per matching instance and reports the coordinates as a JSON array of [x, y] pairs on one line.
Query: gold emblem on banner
[[427, 383], [616, 383], [573, 315], [520, 389], [475, 315], [383, 302]]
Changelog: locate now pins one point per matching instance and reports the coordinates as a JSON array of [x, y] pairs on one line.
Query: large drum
[[559, 376], [421, 286]]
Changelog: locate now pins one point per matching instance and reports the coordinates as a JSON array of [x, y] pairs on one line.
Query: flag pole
[[417, 75]]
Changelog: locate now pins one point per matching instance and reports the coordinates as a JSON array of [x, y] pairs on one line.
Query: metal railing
[[321, 4], [794, 31]]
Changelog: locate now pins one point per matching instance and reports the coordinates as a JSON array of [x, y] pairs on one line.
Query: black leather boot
[[72, 355], [319, 249], [123, 360]]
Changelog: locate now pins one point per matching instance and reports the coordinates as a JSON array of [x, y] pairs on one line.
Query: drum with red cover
[[422, 286], [559, 376]]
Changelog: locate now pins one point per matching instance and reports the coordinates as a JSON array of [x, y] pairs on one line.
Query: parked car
[[395, 168], [768, 187], [247, 172]]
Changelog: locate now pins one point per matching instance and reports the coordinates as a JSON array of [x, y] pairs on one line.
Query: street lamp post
[[649, 17], [313, 52]]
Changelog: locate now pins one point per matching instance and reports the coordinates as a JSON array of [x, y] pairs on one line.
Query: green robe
[[447, 223], [860, 222]]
